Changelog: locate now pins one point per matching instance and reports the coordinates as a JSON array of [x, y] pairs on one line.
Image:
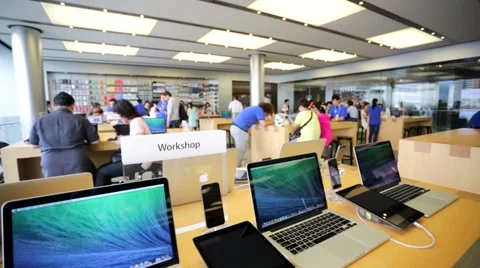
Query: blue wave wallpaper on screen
[[118, 230], [287, 189]]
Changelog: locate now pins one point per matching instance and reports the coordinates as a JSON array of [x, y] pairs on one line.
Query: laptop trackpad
[[344, 247]]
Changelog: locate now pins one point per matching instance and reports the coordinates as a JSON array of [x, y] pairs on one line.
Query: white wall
[[8, 97], [225, 79]]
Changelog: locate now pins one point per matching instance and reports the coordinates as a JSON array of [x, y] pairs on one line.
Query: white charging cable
[[418, 225]]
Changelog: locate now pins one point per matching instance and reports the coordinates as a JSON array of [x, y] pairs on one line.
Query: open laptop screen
[[156, 125], [121, 229], [286, 188], [377, 165]]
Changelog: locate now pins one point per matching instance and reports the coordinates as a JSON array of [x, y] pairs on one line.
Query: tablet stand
[[369, 216]]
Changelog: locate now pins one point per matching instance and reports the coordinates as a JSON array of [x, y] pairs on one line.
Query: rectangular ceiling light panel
[[327, 55], [314, 12], [408, 37], [98, 20], [237, 40], [101, 49], [282, 66], [200, 57]]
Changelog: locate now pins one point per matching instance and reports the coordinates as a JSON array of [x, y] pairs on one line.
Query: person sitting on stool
[[129, 115]]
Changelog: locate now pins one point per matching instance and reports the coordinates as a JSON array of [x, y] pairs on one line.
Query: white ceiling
[[182, 22]]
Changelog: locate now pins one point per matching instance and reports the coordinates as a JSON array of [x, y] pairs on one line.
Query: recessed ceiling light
[[100, 48], [128, 45], [259, 12], [313, 12], [62, 3], [105, 10], [141, 16], [234, 40], [250, 34], [270, 38], [282, 66], [306, 24], [328, 55], [200, 57], [206, 44], [228, 30], [443, 37], [98, 20], [369, 41], [433, 33], [361, 3], [422, 29], [104, 30], [244, 48], [133, 34], [408, 37], [381, 45], [71, 27], [124, 55], [80, 52], [76, 41]]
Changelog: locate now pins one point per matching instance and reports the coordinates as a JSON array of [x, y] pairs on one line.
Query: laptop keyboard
[[302, 236], [405, 192]]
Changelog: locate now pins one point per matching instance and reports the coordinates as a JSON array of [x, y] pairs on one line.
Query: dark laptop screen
[[120, 229], [377, 165], [287, 189]]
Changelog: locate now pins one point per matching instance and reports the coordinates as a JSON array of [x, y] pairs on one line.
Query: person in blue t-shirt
[[375, 118], [337, 112], [111, 102], [475, 120], [243, 122], [141, 108]]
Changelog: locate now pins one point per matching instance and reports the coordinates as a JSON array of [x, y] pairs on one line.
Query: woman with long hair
[[129, 115], [375, 118]]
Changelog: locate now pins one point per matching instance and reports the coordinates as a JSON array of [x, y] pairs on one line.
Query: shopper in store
[[308, 121], [352, 112], [286, 106], [374, 120], [173, 106], [337, 111], [328, 106], [49, 107], [192, 116], [63, 138], [208, 109], [129, 115], [475, 121], [324, 120], [257, 114], [235, 107], [111, 102], [148, 105], [364, 115]]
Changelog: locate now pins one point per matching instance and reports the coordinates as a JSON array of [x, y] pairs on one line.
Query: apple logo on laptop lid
[[203, 178]]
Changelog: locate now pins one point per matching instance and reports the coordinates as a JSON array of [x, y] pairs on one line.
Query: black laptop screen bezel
[[297, 218], [366, 147], [8, 256]]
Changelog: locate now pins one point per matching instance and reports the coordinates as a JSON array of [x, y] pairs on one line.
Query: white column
[[257, 85], [28, 66]]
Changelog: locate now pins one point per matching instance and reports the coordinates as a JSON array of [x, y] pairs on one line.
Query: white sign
[[150, 148]]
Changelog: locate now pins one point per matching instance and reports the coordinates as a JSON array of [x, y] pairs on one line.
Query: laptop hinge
[[387, 186]]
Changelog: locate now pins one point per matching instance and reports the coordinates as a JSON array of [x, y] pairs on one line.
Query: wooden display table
[[449, 158], [105, 128], [392, 129], [455, 228], [267, 142], [21, 161], [215, 123]]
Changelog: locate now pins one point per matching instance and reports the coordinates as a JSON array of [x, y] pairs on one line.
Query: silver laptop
[[123, 225], [379, 171], [291, 212]]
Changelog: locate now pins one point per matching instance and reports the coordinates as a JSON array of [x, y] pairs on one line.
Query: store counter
[[455, 229], [393, 129], [21, 161], [449, 158], [268, 141]]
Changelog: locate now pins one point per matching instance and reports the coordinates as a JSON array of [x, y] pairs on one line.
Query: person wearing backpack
[[307, 121]]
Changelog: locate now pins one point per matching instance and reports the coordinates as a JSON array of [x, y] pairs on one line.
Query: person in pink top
[[324, 120]]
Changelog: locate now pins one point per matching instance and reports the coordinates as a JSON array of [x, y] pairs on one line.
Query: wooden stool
[[350, 140]]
